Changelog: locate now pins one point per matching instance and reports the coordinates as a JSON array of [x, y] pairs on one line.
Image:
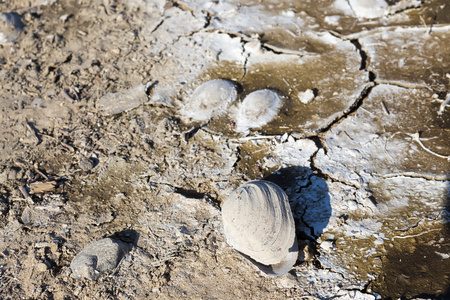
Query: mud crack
[[158, 26], [415, 175], [311, 229], [355, 106], [363, 53]]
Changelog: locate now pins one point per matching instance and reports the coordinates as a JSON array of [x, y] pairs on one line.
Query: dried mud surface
[[93, 145]]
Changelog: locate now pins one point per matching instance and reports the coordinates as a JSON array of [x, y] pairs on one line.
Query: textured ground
[[93, 145]]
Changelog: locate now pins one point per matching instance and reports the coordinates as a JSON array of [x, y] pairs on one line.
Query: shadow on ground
[[128, 236], [309, 200]]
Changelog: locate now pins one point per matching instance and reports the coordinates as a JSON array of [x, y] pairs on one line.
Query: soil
[[77, 166]]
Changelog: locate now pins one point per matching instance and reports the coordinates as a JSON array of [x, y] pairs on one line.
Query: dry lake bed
[[116, 157]]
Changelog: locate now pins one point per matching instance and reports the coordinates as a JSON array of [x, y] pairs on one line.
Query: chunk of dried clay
[[209, 99], [10, 27], [258, 223], [257, 109], [97, 258]]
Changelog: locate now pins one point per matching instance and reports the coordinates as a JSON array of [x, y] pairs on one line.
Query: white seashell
[[258, 223], [210, 99], [257, 109]]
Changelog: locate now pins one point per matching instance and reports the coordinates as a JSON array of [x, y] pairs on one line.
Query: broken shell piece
[[257, 109], [209, 99], [10, 27], [258, 223]]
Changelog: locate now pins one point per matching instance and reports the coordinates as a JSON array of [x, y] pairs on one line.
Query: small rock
[[14, 173], [34, 217], [306, 96], [116, 103], [86, 164], [97, 258], [41, 267], [64, 18], [327, 246], [107, 217]]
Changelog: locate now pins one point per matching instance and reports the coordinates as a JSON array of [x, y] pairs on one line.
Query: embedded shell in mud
[[209, 99], [257, 109], [258, 223]]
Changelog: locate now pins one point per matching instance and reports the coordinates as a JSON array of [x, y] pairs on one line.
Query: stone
[[97, 258]]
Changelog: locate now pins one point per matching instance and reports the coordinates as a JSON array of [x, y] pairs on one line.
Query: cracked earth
[[94, 145]]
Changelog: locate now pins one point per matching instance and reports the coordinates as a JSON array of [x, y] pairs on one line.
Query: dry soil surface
[[94, 143]]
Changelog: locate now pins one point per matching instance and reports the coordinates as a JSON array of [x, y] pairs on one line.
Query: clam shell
[[209, 99], [257, 109], [258, 223]]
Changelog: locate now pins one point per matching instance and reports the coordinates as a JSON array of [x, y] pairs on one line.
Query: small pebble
[[86, 164], [306, 96], [41, 267]]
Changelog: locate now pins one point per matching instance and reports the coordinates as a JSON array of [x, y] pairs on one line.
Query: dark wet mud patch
[[415, 266], [251, 159], [415, 256], [332, 80], [96, 192], [233, 71], [423, 54], [335, 82]]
